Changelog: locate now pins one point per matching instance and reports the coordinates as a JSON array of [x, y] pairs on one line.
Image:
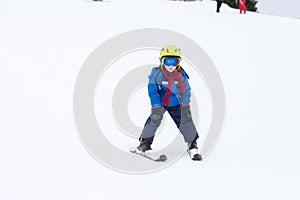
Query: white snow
[[43, 45]]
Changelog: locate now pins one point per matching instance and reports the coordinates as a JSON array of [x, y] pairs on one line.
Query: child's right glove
[[157, 114]]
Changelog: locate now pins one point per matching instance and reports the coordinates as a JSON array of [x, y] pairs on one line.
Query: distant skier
[[219, 4], [169, 90], [243, 7]]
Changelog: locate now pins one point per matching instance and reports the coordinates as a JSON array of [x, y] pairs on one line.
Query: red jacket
[[243, 6]]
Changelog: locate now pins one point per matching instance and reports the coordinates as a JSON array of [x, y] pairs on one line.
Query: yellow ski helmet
[[170, 50]]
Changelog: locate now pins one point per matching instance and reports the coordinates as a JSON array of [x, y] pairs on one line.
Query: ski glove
[[157, 114], [186, 114]]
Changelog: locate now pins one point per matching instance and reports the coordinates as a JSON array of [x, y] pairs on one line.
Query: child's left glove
[[186, 114]]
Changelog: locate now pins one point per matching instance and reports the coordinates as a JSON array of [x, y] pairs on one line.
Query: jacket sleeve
[[186, 96], [153, 89]]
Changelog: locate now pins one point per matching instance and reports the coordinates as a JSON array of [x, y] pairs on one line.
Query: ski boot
[[145, 147], [193, 151]]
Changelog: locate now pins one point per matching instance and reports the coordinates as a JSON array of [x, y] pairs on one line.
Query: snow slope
[[42, 48]]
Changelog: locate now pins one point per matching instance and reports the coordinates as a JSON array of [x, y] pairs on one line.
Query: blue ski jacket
[[157, 87]]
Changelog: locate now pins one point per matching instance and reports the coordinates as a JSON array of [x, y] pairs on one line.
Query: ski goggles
[[168, 61]]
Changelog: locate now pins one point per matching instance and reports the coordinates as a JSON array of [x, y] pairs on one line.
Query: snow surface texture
[[42, 47]]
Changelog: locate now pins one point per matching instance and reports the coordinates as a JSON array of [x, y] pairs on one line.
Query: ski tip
[[163, 157]]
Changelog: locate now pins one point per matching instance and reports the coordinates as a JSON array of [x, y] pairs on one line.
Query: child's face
[[170, 68], [170, 63]]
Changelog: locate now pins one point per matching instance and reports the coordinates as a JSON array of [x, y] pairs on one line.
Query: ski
[[150, 156]]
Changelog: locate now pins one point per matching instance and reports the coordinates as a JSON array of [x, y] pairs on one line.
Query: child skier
[[169, 90]]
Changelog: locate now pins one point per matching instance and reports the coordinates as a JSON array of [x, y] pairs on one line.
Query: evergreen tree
[[250, 4]]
